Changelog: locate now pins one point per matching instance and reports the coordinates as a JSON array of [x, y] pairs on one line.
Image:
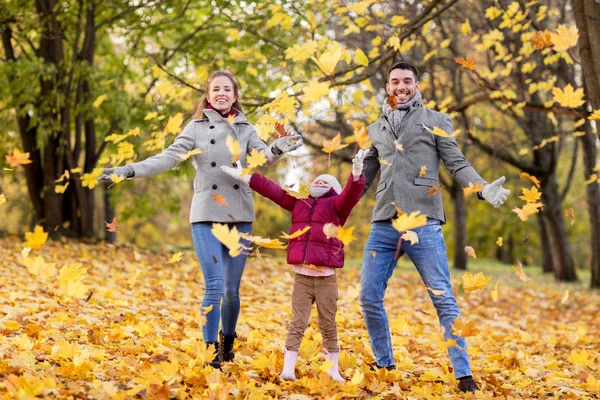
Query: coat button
[[233, 164], [236, 186], [213, 164], [212, 141], [212, 127], [214, 187]]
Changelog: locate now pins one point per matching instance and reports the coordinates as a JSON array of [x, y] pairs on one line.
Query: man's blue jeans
[[430, 259], [222, 277]]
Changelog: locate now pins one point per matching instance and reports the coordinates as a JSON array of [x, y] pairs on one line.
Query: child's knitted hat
[[330, 179]]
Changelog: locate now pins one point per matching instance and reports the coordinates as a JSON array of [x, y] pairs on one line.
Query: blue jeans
[[222, 277], [429, 257]]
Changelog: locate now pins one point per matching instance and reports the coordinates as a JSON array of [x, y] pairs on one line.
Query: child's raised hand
[[357, 163], [236, 172]]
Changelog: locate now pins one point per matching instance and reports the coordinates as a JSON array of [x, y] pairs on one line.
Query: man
[[403, 145]]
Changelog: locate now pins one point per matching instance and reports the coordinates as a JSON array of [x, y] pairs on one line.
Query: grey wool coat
[[400, 182], [209, 136]]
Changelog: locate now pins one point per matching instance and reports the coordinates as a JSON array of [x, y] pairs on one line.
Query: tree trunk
[[587, 19], [547, 259], [593, 201]]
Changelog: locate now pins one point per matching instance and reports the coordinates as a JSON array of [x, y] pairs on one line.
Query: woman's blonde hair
[[199, 112]]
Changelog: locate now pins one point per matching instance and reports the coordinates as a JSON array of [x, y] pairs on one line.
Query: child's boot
[[289, 365], [334, 370]]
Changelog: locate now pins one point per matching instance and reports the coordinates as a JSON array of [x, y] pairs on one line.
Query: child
[[314, 256]]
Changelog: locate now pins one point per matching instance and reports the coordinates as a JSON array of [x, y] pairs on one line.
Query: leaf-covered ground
[[139, 335]]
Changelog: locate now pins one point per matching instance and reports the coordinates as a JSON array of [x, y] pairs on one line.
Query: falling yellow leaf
[[494, 293], [17, 158], [264, 242], [70, 279], [384, 162], [61, 188], [99, 100], [469, 190], [465, 62], [315, 90], [531, 195], [569, 97], [328, 60], [470, 251], [234, 148], [464, 329], [175, 258], [565, 298], [565, 37], [37, 266], [521, 274], [436, 292], [472, 282], [229, 238], [116, 178], [345, 235], [256, 159], [37, 238], [335, 144], [296, 234], [90, 180], [500, 241], [532, 178], [231, 118], [423, 170], [189, 154], [411, 236], [405, 222], [595, 115], [440, 132], [2, 199], [302, 193], [541, 40], [528, 210]]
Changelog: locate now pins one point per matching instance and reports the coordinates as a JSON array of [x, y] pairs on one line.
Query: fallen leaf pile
[[103, 321]]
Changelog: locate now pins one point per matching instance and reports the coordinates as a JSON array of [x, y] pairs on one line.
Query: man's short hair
[[404, 65]]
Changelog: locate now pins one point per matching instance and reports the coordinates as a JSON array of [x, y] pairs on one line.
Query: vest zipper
[[309, 231]]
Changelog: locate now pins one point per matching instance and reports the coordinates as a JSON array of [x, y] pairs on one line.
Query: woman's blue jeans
[[429, 257], [222, 276]]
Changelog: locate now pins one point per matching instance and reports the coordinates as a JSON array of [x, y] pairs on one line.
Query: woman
[[207, 131]]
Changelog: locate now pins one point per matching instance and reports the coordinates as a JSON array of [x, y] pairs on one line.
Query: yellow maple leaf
[[335, 144], [61, 188], [229, 238], [565, 37], [527, 210], [116, 178], [423, 170], [175, 258], [256, 159], [189, 154], [12, 325], [328, 60], [464, 328], [296, 234], [500, 241], [37, 266], [37, 238], [234, 148], [470, 251], [472, 282], [345, 235], [90, 180], [411, 236], [2, 199], [568, 97], [494, 293], [469, 190], [440, 132], [302, 193], [362, 137], [174, 124], [406, 222], [360, 58], [70, 279], [521, 274], [315, 90], [17, 158], [595, 115], [531, 195], [301, 52], [580, 357], [532, 178], [357, 378]]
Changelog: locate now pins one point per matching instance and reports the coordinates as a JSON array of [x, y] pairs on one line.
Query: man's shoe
[[375, 366], [467, 384], [226, 346]]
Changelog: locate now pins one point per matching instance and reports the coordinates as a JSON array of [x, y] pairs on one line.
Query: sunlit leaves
[[500, 241], [470, 251], [99, 100], [113, 226], [531, 195], [335, 144], [296, 234], [541, 40], [315, 90], [360, 58], [301, 52], [595, 115], [37, 238], [174, 124], [90, 180], [229, 237], [472, 188], [568, 97], [464, 328], [472, 282], [328, 60], [175, 258], [17, 158], [407, 222], [565, 37], [255, 159], [116, 138], [70, 280], [465, 62]]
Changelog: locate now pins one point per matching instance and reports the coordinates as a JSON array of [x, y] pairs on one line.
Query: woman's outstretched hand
[[236, 172], [121, 172]]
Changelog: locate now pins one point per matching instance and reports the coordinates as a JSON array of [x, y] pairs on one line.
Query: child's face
[[321, 184]]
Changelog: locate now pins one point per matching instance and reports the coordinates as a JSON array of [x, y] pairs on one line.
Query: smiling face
[[402, 84], [221, 94]]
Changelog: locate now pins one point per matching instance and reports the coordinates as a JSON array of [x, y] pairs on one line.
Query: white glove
[[357, 163], [286, 144], [495, 193], [122, 172], [236, 172]]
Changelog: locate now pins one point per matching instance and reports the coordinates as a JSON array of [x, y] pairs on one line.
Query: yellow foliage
[[37, 238]]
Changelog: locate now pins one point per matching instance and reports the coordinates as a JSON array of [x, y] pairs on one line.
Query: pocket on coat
[[198, 183], [380, 187], [425, 182]]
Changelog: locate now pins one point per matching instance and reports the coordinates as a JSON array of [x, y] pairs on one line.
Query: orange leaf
[[569, 213], [470, 251], [541, 40], [282, 132], [465, 62], [219, 199], [391, 100], [17, 158], [521, 274], [433, 190], [113, 226], [335, 144]]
